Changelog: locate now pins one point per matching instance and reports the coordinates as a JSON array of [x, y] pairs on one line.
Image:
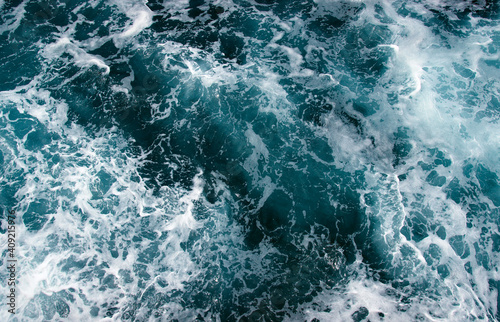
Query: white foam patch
[[377, 301], [13, 19], [82, 216], [186, 221], [276, 94], [349, 149], [197, 64], [39, 104], [259, 153], [141, 18], [80, 56], [429, 70], [422, 73], [360, 293], [295, 60], [215, 75]]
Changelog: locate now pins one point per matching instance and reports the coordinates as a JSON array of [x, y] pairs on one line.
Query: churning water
[[251, 160]]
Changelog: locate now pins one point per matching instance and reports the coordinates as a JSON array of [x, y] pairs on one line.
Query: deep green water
[[251, 160]]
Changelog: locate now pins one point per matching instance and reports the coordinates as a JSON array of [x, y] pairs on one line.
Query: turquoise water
[[238, 160]]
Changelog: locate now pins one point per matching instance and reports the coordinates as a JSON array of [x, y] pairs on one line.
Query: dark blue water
[[238, 160]]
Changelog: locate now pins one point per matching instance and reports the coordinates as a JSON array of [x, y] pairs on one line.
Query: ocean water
[[251, 160]]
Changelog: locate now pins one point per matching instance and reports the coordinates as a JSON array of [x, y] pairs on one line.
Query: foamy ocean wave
[[250, 160]]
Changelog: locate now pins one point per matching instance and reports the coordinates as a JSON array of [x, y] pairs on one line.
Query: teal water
[[237, 160]]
